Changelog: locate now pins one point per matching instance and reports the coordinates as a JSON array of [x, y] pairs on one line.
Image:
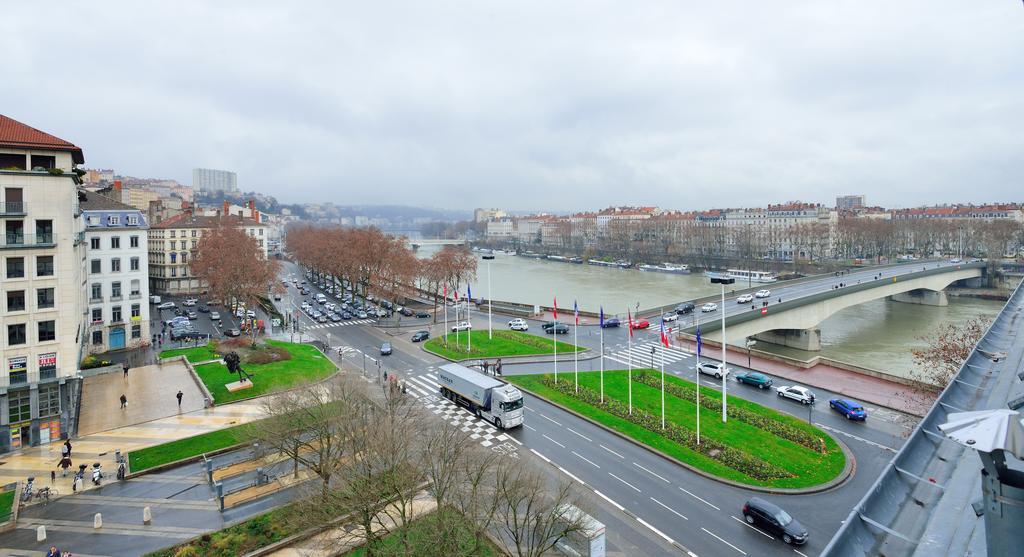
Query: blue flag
[[602, 316], [469, 292], [698, 342]]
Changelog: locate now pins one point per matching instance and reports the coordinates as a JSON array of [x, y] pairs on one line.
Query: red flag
[[555, 311], [456, 295], [629, 318], [446, 292]]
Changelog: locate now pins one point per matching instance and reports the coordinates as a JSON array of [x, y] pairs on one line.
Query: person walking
[[124, 367], [179, 395], [124, 401], [65, 463], [53, 552], [497, 368], [67, 443]]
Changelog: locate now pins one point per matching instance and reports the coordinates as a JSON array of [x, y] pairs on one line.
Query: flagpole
[[469, 318], [602, 361], [698, 380], [576, 353], [724, 369], [629, 350], [445, 302], [554, 344], [663, 389]]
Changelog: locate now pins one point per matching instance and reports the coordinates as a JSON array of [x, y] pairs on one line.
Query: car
[[610, 323], [203, 308], [385, 349], [215, 316], [759, 380], [154, 299], [250, 313], [745, 299], [382, 313], [558, 329], [685, 308], [641, 324], [305, 305], [186, 335], [176, 321], [239, 312], [335, 317], [193, 315], [189, 302], [422, 314], [518, 325], [420, 335], [669, 317], [712, 368], [179, 311], [849, 408], [709, 307], [329, 306], [761, 513], [956, 260], [407, 312], [322, 318], [797, 393], [277, 297], [462, 326], [232, 332], [363, 315], [346, 315], [763, 293], [166, 305], [547, 325]]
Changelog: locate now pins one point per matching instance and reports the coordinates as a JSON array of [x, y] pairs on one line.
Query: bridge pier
[[922, 297], [803, 339]]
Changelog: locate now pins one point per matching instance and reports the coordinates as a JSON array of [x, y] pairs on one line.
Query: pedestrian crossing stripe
[[424, 387], [329, 325], [641, 355]]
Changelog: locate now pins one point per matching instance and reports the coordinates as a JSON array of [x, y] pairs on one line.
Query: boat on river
[[752, 276], [622, 264], [667, 268]]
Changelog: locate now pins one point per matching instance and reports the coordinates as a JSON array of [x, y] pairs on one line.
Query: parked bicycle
[[45, 493]]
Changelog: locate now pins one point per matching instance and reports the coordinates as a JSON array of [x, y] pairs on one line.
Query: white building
[[500, 230], [117, 274], [484, 215], [42, 288], [208, 179]]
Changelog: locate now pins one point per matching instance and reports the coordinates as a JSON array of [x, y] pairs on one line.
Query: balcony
[[13, 209], [27, 241]]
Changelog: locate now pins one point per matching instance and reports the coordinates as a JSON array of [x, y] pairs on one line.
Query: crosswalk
[[640, 355], [339, 324]]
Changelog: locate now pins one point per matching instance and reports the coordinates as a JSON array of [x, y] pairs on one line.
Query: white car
[[745, 299], [799, 394], [462, 326], [763, 293], [214, 316], [250, 313], [708, 307], [166, 305], [712, 368], [189, 302], [669, 317], [518, 325]]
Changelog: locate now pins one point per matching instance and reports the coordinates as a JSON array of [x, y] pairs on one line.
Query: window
[[44, 298], [184, 257], [174, 270], [115, 314], [136, 288], [15, 300], [136, 311], [97, 315], [133, 264], [115, 265], [174, 258], [45, 161], [193, 233], [261, 231], [94, 221], [115, 289], [44, 266], [174, 245], [133, 241], [194, 244], [94, 267], [136, 331], [97, 291], [133, 220], [19, 404], [44, 231], [115, 242], [15, 267], [94, 242], [16, 334], [97, 337], [49, 400], [47, 331], [114, 220], [172, 233]]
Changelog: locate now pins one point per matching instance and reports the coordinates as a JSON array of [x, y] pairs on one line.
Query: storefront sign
[[19, 363], [47, 362]]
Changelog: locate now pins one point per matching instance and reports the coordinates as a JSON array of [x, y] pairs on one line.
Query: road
[[650, 499]]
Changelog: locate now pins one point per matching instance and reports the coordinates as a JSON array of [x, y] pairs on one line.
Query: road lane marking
[[571, 475], [861, 439], [655, 530], [701, 500], [552, 440], [530, 409], [723, 541], [651, 473], [528, 427], [758, 530], [611, 451], [606, 498], [549, 419], [799, 553], [625, 482], [670, 509], [546, 459], [580, 434], [585, 458]]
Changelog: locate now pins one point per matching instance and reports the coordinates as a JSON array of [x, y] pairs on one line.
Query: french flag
[[664, 336], [554, 312], [629, 318], [576, 312]]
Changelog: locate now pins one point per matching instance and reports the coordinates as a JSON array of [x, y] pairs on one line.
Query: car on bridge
[[518, 325], [685, 308], [709, 307], [462, 326], [669, 317], [797, 393], [758, 512], [420, 335], [851, 409], [759, 380], [763, 293], [745, 299], [610, 323], [712, 368]]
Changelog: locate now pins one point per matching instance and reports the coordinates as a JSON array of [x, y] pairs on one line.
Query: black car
[[385, 349], [547, 325], [420, 335], [422, 314], [685, 308], [204, 309], [611, 322], [557, 329], [771, 517], [407, 312]]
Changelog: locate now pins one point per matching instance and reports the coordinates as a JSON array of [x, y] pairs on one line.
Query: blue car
[[852, 410], [610, 322]]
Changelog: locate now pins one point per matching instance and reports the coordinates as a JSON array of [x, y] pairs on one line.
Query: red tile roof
[[15, 134]]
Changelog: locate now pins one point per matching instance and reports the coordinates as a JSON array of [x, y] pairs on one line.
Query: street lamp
[[653, 350], [749, 344], [723, 280], [490, 332]]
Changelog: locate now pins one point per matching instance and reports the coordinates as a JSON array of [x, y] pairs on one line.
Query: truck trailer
[[486, 397]]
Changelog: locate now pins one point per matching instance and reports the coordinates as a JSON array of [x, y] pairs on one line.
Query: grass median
[[734, 450], [6, 505], [504, 343], [173, 451]]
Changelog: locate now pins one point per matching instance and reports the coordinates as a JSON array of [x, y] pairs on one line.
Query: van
[[154, 299], [321, 299]]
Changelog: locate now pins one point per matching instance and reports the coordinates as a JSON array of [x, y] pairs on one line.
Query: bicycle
[[45, 493]]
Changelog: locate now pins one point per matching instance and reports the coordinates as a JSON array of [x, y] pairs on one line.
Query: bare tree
[[532, 510], [937, 363]]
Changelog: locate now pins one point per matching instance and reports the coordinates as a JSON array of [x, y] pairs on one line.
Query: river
[[879, 335]]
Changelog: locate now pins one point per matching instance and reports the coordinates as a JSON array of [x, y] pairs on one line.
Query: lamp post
[[653, 350], [723, 280], [749, 344], [490, 332]]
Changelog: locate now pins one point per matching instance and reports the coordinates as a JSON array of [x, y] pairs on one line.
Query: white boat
[[667, 268], [752, 276]]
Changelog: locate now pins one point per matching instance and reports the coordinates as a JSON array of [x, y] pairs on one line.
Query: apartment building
[[208, 179], [41, 293], [117, 274]]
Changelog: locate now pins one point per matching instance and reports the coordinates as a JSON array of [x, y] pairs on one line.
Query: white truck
[[488, 398]]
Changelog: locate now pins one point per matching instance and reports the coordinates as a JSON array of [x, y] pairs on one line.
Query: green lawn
[[504, 343], [807, 467], [423, 538], [144, 459], [306, 364], [242, 538], [6, 505]]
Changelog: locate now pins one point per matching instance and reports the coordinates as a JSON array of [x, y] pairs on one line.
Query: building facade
[[41, 291], [117, 274], [208, 179], [850, 202]]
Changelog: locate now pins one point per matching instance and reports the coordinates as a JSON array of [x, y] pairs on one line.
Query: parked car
[[462, 326], [204, 308], [763, 293], [166, 305], [669, 317], [177, 321], [363, 315], [518, 325], [421, 314], [193, 315], [709, 307], [610, 323], [215, 316], [420, 335], [385, 349], [232, 332], [335, 317], [761, 513], [547, 325], [745, 299], [322, 318], [346, 315], [558, 329], [712, 368], [797, 393], [851, 409], [759, 380], [641, 324], [407, 312], [154, 299], [250, 313]]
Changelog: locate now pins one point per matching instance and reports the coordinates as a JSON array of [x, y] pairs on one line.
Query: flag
[[555, 311], [629, 318], [664, 337], [469, 292], [698, 342], [445, 293], [576, 312], [456, 295], [602, 317]]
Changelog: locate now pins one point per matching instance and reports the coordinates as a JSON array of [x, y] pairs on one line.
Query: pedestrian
[[497, 367], [53, 552], [63, 451], [124, 401], [67, 443], [124, 367], [179, 395], [65, 463], [154, 338]]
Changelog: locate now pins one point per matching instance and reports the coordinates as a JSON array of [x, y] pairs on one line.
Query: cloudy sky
[[537, 105]]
